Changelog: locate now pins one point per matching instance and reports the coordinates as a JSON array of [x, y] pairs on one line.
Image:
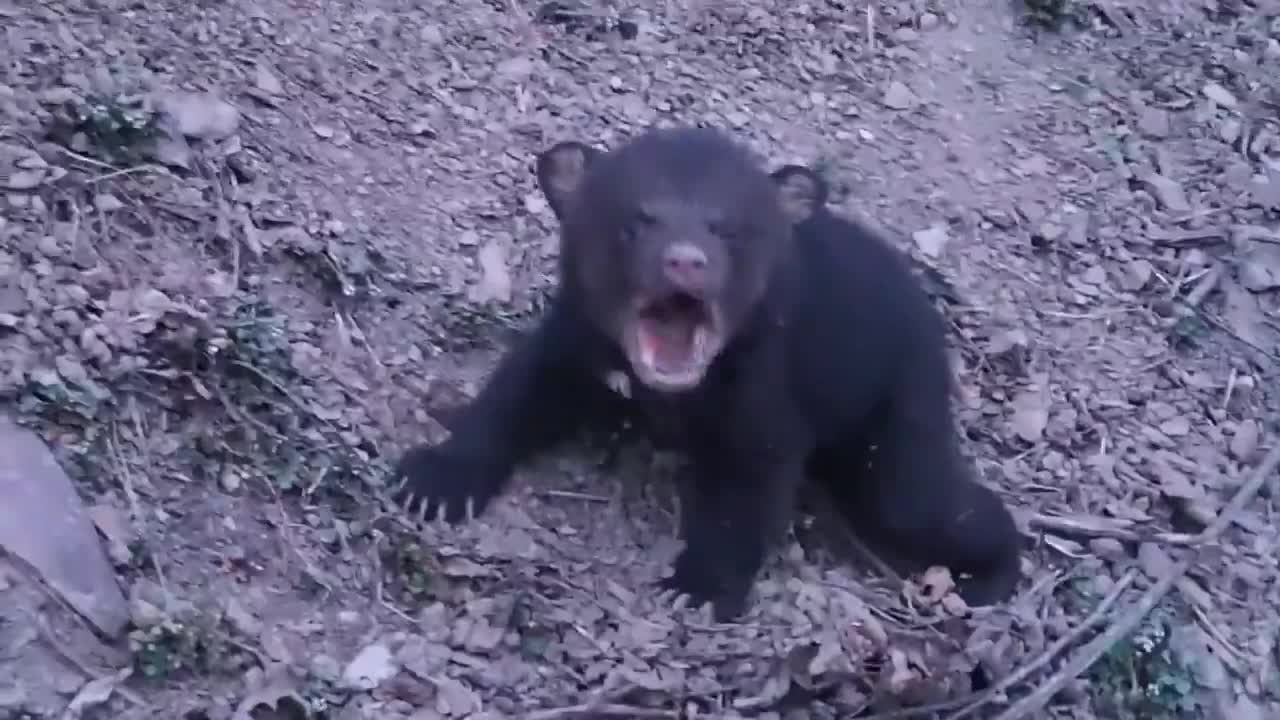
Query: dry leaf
[[931, 241], [370, 668], [898, 96], [1030, 415], [94, 693]]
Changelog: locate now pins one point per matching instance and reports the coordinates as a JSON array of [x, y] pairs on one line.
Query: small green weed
[[119, 128], [1142, 678], [194, 644]]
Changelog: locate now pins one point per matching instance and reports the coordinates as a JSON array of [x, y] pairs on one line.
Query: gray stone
[[43, 523]]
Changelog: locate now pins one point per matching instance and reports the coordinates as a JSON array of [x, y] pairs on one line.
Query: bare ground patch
[[227, 327]]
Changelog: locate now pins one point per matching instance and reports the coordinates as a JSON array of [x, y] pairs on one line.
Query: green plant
[[1143, 678]]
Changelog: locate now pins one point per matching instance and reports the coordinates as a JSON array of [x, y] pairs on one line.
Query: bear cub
[[730, 316]]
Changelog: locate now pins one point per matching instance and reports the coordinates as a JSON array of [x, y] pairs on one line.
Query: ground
[[249, 252]]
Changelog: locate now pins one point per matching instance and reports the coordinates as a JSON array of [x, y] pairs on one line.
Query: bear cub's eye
[[639, 220], [643, 218], [724, 230]]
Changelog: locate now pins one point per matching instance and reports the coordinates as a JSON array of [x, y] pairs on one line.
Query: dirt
[[249, 252]]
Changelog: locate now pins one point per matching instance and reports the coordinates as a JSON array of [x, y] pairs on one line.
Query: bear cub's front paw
[[704, 580], [427, 482]]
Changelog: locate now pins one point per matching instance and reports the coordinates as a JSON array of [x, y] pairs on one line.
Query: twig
[[587, 710], [1102, 527], [86, 159], [280, 387], [871, 28], [1230, 389], [157, 169], [1204, 285], [1099, 613], [378, 594], [126, 477], [286, 536], [570, 495], [62, 651], [1034, 703]]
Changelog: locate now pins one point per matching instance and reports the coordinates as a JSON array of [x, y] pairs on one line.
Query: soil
[[250, 252]]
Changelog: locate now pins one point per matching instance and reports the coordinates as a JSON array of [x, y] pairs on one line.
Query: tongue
[[669, 343]]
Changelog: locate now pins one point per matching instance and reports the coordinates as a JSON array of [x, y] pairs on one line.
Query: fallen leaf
[[95, 692], [1154, 122], [1258, 268], [107, 202], [266, 81], [1136, 275], [1030, 415], [1154, 560], [1168, 192], [25, 179], [371, 667], [454, 698], [1219, 95], [931, 241], [495, 278], [1176, 427], [898, 96], [270, 687]]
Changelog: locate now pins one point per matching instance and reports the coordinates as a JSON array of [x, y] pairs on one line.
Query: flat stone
[[44, 523]]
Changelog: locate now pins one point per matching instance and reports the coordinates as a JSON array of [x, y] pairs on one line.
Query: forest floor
[[250, 252]]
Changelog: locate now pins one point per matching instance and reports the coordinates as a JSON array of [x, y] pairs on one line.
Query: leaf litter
[[247, 254]]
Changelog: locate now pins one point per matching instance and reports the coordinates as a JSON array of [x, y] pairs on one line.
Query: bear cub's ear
[[803, 191], [560, 172]]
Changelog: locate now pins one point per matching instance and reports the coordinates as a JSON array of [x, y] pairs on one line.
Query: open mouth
[[674, 339]]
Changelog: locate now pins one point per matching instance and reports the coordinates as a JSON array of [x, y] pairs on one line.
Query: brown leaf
[[1030, 415]]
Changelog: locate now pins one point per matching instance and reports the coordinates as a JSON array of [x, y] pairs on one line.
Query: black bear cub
[[737, 320]]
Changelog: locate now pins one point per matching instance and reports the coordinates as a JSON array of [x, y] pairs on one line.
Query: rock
[[1175, 427], [266, 81], [1229, 131], [1259, 268], [1155, 562], [1220, 95], [1137, 274], [107, 202], [1244, 444], [25, 179], [200, 115], [1154, 122], [43, 522], [1094, 275], [898, 96], [1168, 192], [1108, 548], [905, 35]]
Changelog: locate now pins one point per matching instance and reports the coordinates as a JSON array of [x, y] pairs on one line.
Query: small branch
[[1033, 704], [1095, 527], [1097, 616], [587, 711]]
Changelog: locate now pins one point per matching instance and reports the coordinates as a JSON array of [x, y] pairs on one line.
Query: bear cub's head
[[668, 244]]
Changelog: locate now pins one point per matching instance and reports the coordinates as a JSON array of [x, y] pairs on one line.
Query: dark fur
[[805, 194], [831, 349]]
